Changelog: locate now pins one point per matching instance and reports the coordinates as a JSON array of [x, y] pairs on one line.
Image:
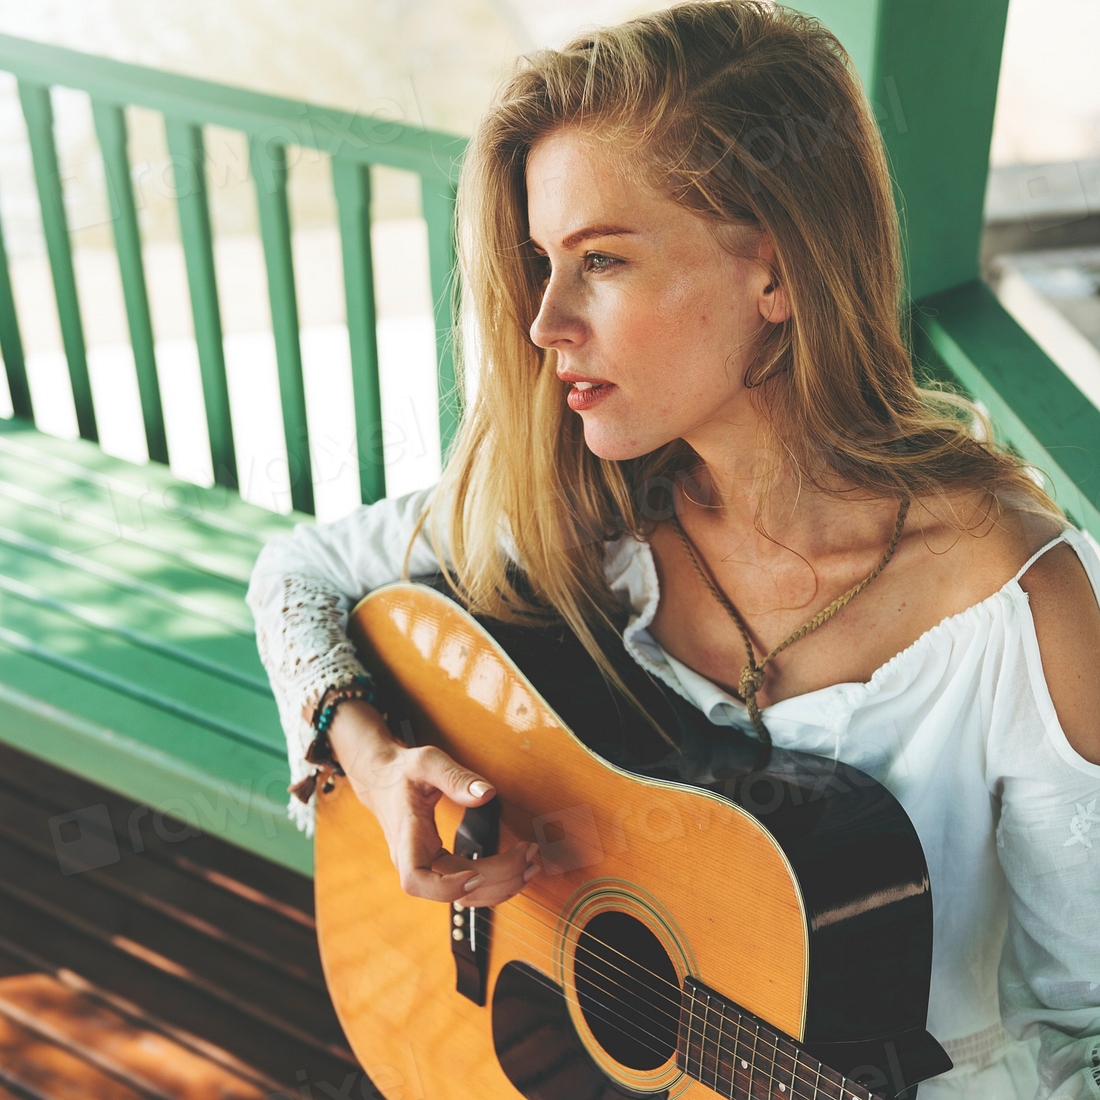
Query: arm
[[302, 587], [1049, 841]]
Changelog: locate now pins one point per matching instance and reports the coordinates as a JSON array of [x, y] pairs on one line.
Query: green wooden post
[[11, 343], [438, 203], [351, 182], [110, 124], [930, 68], [38, 112], [185, 145], [269, 173]]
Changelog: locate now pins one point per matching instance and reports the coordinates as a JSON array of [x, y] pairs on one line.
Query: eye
[[541, 264], [597, 261]]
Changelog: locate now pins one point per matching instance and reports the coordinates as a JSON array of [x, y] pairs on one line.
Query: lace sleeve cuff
[[305, 650]]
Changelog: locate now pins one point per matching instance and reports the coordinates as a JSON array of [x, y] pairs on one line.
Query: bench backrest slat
[[438, 200], [187, 150], [269, 173], [351, 182], [110, 126], [38, 112], [11, 343]]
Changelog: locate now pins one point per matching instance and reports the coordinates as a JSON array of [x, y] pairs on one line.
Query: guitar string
[[551, 937], [547, 958], [795, 1092], [761, 1031], [513, 913]]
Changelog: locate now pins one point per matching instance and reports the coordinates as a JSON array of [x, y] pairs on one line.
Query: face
[[654, 322]]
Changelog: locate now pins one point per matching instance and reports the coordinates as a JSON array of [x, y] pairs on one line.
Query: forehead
[[576, 179]]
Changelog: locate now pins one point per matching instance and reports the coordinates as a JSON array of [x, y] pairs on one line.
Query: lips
[[586, 394]]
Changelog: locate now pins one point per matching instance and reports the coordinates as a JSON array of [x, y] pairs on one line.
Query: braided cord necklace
[[752, 675]]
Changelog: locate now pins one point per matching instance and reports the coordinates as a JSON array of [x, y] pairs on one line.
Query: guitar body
[[793, 891]]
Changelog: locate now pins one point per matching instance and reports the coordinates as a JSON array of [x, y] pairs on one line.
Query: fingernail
[[479, 787], [531, 871], [532, 851], [473, 883]]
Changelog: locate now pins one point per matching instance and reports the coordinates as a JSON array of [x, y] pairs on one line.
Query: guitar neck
[[740, 1057]]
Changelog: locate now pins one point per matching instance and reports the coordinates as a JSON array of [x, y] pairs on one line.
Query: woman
[[696, 423]]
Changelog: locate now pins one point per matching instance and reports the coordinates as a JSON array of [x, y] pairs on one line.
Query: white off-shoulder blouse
[[959, 726]]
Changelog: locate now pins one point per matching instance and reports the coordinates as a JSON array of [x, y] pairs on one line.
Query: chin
[[619, 446]]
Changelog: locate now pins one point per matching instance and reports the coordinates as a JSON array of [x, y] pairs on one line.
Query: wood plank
[[177, 635], [126, 567], [206, 859], [271, 937], [1035, 407], [247, 714], [378, 140], [215, 508], [147, 1061], [27, 1061], [34, 487], [166, 996], [210, 964]]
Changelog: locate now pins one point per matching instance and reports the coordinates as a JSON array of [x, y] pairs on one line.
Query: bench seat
[[127, 652]]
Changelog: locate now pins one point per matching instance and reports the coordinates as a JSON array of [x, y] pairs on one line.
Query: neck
[[746, 484]]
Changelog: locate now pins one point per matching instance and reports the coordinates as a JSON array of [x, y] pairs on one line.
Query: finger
[[494, 895], [417, 847], [420, 882], [434, 767], [491, 869]]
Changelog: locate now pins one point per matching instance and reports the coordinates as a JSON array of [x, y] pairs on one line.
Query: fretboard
[[738, 1056]]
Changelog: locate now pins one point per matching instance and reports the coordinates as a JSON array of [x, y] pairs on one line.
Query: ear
[[773, 300]]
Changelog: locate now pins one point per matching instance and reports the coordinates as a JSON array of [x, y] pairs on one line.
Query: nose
[[559, 323]]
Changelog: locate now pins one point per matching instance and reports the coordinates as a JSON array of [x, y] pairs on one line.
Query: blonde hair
[[746, 114]]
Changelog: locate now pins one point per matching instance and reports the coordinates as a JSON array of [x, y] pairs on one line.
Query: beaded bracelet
[[359, 687], [319, 750]]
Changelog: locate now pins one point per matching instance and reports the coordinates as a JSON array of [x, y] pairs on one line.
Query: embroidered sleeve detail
[[304, 647]]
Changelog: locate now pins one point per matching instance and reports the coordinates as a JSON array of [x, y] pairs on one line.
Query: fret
[[770, 1059], [702, 1076], [683, 1032], [712, 1018], [724, 1060], [751, 1070], [785, 1054]]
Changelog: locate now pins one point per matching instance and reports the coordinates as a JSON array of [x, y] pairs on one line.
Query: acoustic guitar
[[716, 920]]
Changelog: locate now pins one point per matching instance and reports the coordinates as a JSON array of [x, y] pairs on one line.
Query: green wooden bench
[[126, 649], [127, 653]]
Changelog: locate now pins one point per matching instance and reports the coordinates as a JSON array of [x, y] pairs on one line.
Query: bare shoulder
[[974, 545], [977, 548], [1067, 625]]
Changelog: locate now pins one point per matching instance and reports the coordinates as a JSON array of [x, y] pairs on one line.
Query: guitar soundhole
[[627, 990]]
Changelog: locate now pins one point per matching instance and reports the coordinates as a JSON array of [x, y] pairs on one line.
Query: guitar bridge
[[476, 838]]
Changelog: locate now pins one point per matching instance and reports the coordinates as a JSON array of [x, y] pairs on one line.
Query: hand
[[401, 787]]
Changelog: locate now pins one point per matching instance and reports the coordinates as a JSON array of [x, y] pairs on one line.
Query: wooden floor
[[140, 960]]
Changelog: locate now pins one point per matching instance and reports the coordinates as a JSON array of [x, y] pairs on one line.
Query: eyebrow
[[590, 232]]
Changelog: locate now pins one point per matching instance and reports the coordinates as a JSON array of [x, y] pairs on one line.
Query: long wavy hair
[[747, 114]]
